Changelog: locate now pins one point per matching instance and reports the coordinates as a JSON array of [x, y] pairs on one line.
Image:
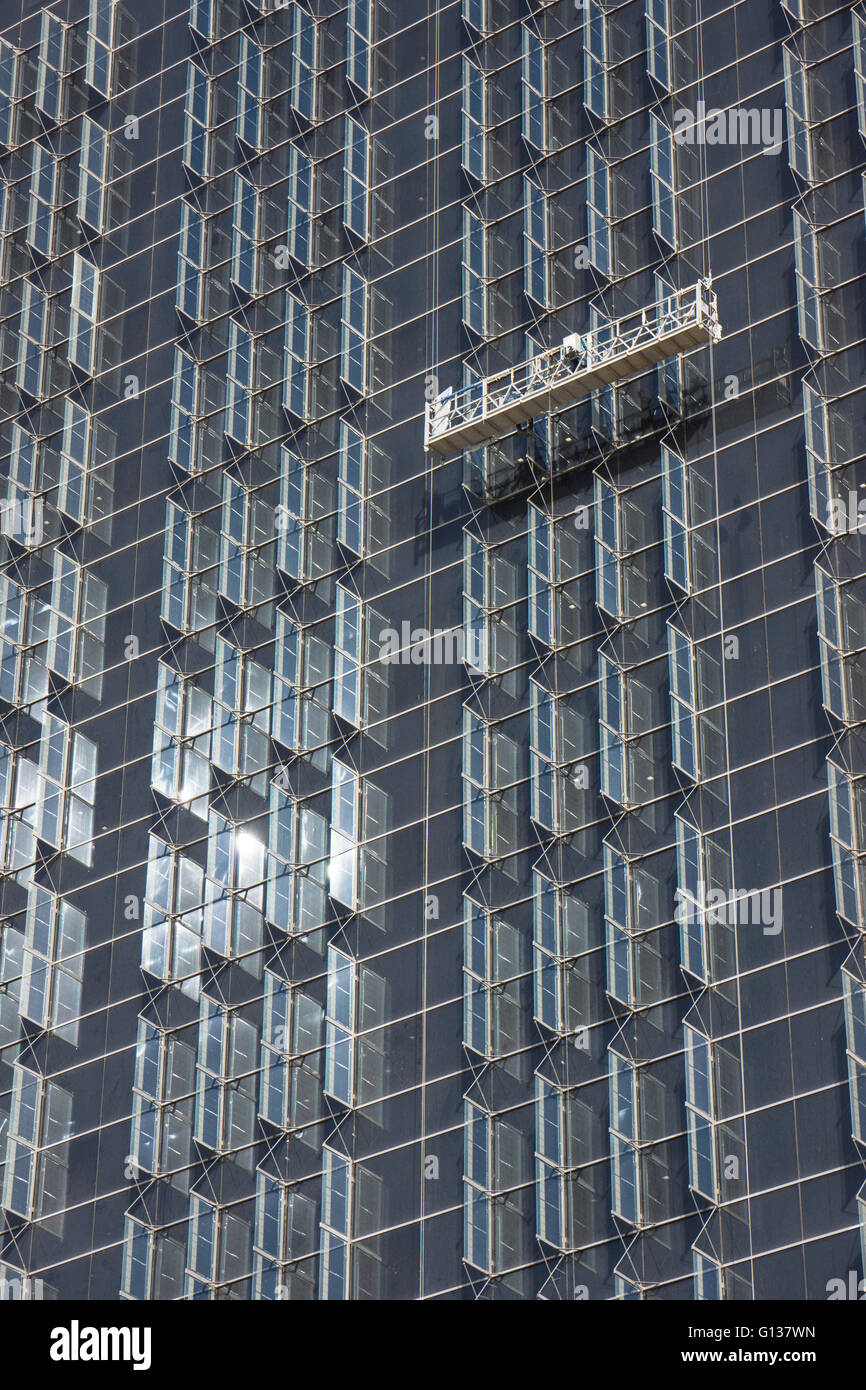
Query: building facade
[[428, 875]]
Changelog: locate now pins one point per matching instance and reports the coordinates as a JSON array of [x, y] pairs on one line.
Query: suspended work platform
[[496, 405]]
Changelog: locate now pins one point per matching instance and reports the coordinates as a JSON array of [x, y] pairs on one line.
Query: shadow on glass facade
[[432, 873]]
